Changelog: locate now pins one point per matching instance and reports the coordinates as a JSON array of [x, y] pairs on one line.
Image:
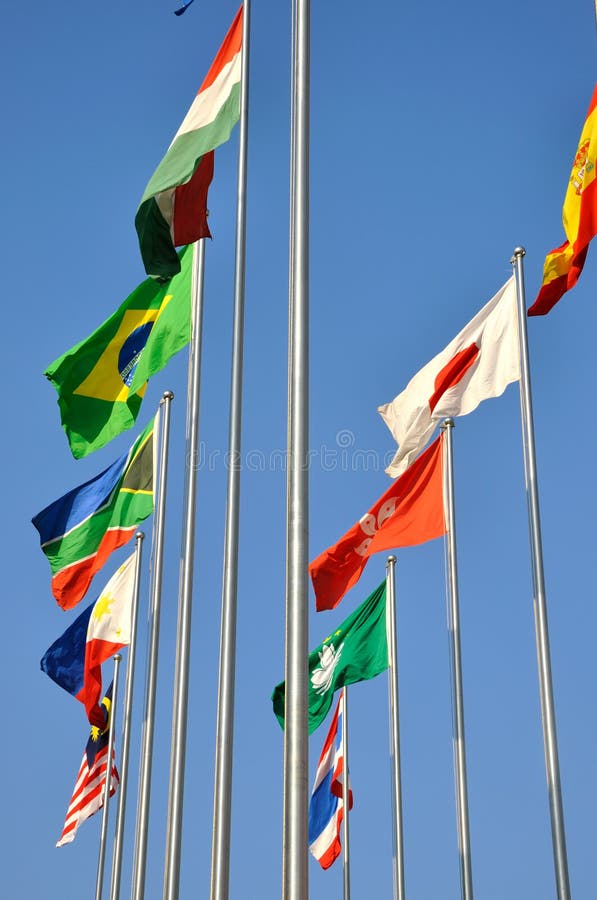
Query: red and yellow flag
[[579, 215]]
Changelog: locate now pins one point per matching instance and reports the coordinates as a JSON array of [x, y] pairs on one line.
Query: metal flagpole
[[464, 840], [143, 802], [220, 852], [391, 631], [548, 716], [185, 594], [296, 748], [126, 726], [345, 798], [99, 884]]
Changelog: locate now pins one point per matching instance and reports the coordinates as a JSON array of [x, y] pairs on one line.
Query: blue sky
[[441, 138]]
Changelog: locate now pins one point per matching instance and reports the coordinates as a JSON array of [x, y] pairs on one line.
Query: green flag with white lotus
[[356, 651]]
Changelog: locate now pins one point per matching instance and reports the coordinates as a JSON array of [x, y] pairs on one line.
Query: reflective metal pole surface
[[296, 747], [345, 799], [550, 743], [99, 884], [220, 851], [397, 821], [146, 755], [185, 594], [126, 727], [464, 839]]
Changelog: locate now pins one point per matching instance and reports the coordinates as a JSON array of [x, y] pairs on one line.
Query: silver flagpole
[[126, 726], [345, 799], [398, 827], [464, 840], [99, 884], [220, 851], [296, 747], [548, 716], [185, 594], [143, 802]]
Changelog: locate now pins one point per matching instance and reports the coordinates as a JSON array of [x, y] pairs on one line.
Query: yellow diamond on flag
[[112, 374]]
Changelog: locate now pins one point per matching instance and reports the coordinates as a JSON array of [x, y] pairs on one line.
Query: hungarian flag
[[79, 531], [173, 209], [356, 651], [101, 380], [88, 792], [410, 512], [478, 364], [74, 661], [563, 265]]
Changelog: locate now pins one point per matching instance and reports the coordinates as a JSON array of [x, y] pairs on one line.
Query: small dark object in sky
[[179, 12]]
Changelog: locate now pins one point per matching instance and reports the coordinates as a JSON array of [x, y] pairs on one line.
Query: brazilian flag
[[101, 381]]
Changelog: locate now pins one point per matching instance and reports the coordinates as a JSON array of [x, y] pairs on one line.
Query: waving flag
[[101, 381], [410, 512], [563, 265], [356, 651], [173, 209], [481, 361], [326, 806], [74, 661], [79, 531], [88, 793]]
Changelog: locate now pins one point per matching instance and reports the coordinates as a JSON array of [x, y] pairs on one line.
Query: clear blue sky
[[441, 137]]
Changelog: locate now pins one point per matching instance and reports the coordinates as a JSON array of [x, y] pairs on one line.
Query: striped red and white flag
[[88, 793]]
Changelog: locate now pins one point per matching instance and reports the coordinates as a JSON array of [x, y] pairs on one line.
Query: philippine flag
[[74, 661], [326, 807]]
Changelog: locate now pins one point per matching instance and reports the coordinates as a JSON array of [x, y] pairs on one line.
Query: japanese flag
[[479, 363]]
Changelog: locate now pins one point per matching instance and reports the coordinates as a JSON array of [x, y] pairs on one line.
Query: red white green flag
[[173, 209]]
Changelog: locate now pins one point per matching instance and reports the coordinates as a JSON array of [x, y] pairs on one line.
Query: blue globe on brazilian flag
[[101, 380]]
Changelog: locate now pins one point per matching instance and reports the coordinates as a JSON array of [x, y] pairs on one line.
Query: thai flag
[[326, 805]]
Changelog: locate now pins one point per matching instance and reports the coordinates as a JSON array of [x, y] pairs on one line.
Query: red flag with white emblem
[[410, 512], [479, 363]]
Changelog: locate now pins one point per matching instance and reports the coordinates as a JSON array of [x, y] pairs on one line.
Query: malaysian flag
[[326, 807], [88, 794]]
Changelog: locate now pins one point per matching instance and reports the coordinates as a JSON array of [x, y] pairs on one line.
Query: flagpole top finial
[[168, 395], [391, 559], [140, 536], [117, 657], [447, 423], [519, 251]]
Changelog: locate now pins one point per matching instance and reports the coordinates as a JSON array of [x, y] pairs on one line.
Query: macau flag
[[101, 381], [356, 651]]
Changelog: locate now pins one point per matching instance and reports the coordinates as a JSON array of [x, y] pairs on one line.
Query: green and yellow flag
[[356, 651], [101, 381]]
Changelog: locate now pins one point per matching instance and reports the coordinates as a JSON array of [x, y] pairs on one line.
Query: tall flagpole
[[464, 840], [345, 799], [220, 851], [126, 726], [548, 716], [185, 594], [99, 884], [398, 828], [143, 803], [296, 747]]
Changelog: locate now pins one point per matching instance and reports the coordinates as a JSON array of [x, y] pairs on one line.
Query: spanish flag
[[579, 215]]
